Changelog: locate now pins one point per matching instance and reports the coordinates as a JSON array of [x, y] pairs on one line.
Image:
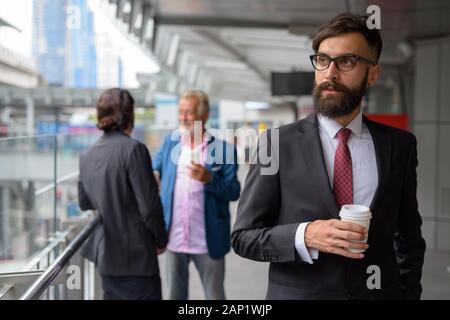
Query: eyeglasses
[[344, 63]]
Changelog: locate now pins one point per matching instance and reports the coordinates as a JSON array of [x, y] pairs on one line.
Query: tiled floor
[[436, 276]]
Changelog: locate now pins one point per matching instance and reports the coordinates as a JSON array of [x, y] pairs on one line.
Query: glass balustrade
[[32, 210]]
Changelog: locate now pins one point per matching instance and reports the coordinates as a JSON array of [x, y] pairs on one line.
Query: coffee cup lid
[[355, 211]]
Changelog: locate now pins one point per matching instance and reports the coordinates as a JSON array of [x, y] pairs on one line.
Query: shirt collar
[[206, 138], [332, 127]]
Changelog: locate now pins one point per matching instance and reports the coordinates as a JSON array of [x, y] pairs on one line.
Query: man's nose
[[332, 73]]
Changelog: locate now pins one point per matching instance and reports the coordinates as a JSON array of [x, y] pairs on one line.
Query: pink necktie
[[343, 178]]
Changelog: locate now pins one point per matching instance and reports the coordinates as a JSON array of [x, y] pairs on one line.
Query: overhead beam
[[176, 20], [147, 30], [4, 23], [235, 52], [119, 9], [57, 97], [136, 9]]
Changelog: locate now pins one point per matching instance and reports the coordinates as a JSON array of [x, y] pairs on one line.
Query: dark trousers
[[131, 288]]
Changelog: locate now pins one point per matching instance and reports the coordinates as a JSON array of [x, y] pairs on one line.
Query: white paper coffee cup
[[357, 214], [195, 157]]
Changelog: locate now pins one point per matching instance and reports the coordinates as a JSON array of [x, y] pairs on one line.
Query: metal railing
[[45, 280], [59, 240], [50, 274], [32, 216]]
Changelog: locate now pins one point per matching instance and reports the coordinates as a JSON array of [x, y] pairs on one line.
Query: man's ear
[[374, 74]]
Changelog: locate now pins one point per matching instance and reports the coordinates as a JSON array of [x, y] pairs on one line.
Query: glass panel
[[385, 97], [31, 209], [26, 204]]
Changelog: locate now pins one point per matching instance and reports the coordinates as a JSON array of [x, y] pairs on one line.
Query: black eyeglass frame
[[330, 60]]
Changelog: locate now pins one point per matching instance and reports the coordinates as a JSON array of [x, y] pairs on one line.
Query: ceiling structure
[[4, 23], [230, 47]]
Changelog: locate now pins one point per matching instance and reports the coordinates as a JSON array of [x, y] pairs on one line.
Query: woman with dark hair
[[116, 179]]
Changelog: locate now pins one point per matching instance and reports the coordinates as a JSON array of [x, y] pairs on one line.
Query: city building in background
[[109, 63], [64, 43], [81, 61], [49, 39]]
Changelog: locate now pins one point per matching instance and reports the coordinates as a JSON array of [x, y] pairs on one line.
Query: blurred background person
[[196, 192], [115, 180]]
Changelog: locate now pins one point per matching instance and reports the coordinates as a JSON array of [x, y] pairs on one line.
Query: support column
[[30, 115], [431, 124], [5, 224]]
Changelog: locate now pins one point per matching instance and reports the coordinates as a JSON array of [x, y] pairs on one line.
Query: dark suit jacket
[[272, 206], [116, 178]]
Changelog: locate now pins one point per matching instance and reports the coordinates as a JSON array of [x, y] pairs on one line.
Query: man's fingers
[[336, 237], [350, 226], [350, 235], [196, 169], [195, 166], [345, 253], [351, 245]]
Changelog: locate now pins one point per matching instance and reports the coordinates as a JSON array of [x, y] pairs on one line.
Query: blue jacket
[[221, 162]]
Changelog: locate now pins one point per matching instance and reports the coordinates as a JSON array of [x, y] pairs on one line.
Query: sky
[[19, 13]]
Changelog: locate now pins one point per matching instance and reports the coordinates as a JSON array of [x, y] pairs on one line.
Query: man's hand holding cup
[[346, 237]]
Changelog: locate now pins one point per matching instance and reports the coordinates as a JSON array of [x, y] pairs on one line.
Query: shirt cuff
[[306, 254]]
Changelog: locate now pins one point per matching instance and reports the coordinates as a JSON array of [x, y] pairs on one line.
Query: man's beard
[[186, 127], [338, 105]]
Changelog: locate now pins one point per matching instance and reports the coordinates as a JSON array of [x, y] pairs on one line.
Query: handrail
[[60, 237], [45, 280], [30, 136], [60, 180]]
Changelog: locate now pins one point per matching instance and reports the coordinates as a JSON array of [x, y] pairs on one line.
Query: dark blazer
[[116, 178], [272, 206]]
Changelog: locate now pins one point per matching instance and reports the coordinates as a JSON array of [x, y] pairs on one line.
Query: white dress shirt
[[364, 169], [187, 232]]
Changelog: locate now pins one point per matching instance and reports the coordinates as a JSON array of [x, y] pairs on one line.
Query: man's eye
[[346, 61], [322, 60]]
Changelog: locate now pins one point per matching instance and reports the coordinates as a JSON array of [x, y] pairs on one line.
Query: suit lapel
[[383, 149], [174, 155], [312, 154], [210, 153]]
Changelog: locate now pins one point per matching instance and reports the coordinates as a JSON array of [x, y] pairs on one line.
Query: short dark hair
[[115, 110], [346, 23]]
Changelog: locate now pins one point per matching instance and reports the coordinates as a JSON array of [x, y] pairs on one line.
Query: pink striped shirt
[[187, 230]]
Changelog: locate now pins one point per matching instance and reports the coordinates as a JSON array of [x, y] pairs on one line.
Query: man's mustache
[[330, 85]]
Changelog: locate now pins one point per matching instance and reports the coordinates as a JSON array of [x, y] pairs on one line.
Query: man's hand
[[336, 236], [158, 179], [200, 173], [160, 250]]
